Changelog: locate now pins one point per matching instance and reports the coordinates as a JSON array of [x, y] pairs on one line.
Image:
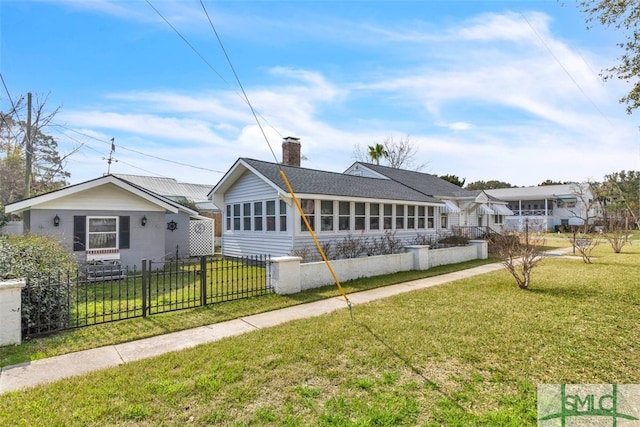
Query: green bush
[[45, 264]]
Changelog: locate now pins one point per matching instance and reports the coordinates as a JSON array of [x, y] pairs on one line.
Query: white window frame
[[94, 233]]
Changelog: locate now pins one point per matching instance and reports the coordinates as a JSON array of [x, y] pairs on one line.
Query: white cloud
[[498, 96]]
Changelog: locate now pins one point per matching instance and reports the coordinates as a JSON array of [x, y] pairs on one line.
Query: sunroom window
[[388, 217], [374, 216], [360, 216], [308, 207], [326, 215], [344, 215]]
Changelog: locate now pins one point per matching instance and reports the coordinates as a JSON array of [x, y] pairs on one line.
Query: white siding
[[106, 197], [256, 243], [249, 188]]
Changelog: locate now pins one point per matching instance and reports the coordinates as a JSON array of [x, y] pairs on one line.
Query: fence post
[[145, 273], [285, 274], [10, 311], [203, 280], [420, 256], [482, 248]]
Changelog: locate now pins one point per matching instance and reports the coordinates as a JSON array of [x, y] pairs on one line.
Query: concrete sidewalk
[[42, 371]]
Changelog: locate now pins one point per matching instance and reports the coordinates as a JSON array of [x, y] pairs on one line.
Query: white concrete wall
[[453, 255], [288, 275], [316, 274], [10, 311]]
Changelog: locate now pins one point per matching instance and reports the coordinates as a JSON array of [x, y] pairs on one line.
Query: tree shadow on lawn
[[566, 291]]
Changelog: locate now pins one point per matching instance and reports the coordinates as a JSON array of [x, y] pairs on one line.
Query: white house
[[367, 200], [548, 207]]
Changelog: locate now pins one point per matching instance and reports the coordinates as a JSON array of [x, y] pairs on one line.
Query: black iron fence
[[106, 293]]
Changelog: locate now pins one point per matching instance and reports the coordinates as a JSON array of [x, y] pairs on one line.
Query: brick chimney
[[291, 151]]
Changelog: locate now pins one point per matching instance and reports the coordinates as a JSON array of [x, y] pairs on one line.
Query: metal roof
[[170, 187], [538, 192]]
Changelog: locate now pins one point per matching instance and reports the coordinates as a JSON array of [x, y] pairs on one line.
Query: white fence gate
[[201, 237]]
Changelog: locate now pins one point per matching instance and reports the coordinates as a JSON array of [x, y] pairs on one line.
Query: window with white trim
[[283, 216], [421, 217], [271, 215], [344, 216], [326, 215], [498, 219], [388, 217], [444, 220], [374, 216], [102, 232], [246, 216], [257, 216], [431, 217], [411, 217], [308, 207], [236, 216], [360, 216], [229, 219], [399, 217]]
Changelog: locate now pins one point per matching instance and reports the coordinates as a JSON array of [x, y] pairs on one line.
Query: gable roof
[[141, 192], [424, 182], [173, 189], [312, 181]]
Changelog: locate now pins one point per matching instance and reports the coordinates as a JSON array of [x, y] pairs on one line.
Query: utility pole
[[28, 151], [110, 158]]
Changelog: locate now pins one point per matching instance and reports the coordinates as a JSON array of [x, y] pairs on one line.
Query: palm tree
[[376, 152]]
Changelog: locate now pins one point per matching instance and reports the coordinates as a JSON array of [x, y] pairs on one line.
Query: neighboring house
[[367, 200], [191, 195], [548, 207], [181, 192], [109, 218]]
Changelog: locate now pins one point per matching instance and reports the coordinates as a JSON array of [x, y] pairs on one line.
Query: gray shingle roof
[[422, 182], [311, 181]]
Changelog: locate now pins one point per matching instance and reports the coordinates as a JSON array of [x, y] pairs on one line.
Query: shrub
[[351, 247], [45, 264], [455, 240]]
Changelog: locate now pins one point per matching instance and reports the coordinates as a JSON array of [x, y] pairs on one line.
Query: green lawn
[[466, 353]]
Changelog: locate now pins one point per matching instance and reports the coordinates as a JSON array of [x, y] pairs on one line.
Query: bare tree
[[47, 164], [585, 244], [519, 253], [616, 232], [399, 154]]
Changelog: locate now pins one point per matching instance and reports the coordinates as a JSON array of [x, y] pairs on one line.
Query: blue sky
[[484, 90]]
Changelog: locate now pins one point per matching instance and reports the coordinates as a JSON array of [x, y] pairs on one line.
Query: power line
[[282, 174], [246, 98], [137, 151], [242, 96], [13, 108], [565, 69]]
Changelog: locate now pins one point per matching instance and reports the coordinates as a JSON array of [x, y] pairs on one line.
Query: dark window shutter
[[124, 232], [79, 233]]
